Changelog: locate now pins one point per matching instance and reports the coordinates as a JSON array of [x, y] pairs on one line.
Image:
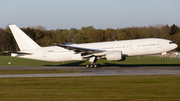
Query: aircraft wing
[[83, 51]]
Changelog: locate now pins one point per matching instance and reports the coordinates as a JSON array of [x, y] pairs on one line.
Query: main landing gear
[[93, 63]]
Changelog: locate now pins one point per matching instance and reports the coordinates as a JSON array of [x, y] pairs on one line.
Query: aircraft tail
[[24, 41]]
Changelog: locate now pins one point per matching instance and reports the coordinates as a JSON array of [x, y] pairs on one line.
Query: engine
[[115, 56]]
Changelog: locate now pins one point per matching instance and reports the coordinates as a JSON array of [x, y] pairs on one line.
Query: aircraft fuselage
[[128, 47]]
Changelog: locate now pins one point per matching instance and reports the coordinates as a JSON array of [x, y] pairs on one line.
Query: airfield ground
[[100, 88], [104, 88], [130, 61]]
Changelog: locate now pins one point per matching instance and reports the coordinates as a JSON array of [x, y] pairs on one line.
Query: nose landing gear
[[162, 59]]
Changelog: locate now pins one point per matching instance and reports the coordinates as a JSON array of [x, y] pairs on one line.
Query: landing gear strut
[[93, 63], [162, 59]]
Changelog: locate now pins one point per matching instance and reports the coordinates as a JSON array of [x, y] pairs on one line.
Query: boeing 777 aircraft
[[112, 50]]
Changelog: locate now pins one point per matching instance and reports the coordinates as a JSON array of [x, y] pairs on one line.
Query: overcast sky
[[101, 14]]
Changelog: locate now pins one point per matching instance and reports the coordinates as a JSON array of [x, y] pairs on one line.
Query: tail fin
[[24, 42]]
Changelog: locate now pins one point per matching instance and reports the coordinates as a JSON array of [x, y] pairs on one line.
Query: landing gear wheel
[[98, 65], [95, 66], [91, 65], [162, 59], [87, 66]]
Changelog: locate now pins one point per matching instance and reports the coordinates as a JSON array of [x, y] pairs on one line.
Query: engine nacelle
[[115, 56]]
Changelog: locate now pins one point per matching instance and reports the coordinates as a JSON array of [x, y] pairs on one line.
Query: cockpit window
[[171, 42]]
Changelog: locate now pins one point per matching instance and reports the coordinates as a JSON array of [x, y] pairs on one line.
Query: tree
[[173, 30], [71, 33], [88, 34], [80, 38], [123, 36], [111, 34]]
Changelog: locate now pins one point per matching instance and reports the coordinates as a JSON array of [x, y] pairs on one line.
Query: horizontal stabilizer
[[23, 53]]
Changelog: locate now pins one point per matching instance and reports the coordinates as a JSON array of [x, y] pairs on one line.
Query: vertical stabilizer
[[24, 42]]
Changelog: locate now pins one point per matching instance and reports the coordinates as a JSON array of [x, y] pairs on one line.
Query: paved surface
[[103, 71]]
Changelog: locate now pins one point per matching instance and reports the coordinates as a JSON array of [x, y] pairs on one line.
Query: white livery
[[112, 51]]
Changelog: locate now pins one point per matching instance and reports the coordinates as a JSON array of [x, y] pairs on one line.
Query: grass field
[[143, 60], [107, 88], [36, 71]]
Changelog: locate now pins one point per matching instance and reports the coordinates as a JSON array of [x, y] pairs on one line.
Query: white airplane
[[112, 50]]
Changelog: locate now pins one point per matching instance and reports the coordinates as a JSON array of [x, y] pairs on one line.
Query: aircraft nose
[[176, 45]]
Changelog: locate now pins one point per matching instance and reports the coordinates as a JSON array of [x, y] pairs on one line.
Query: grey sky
[[102, 14]]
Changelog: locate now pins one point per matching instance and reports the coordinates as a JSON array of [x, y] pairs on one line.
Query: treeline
[[88, 34]]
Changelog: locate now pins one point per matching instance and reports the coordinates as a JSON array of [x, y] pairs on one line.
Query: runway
[[103, 71]]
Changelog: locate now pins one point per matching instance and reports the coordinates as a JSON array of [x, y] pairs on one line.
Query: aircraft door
[[130, 46], [131, 49], [159, 44], [44, 53]]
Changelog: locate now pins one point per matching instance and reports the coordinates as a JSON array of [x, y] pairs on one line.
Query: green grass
[[107, 88], [36, 71], [144, 60]]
